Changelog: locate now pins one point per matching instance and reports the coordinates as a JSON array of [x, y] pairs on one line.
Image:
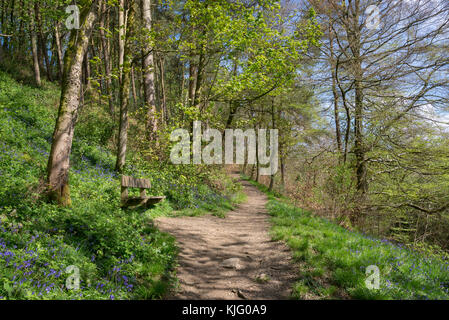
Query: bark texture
[[148, 74], [59, 161]]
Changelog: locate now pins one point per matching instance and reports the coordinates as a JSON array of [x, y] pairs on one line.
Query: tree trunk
[[4, 12], [106, 52], [253, 168], [2, 22], [148, 75], [124, 95], [42, 41], [20, 45], [199, 80], [257, 156], [37, 73], [273, 124], [233, 106], [134, 91], [282, 160], [8, 43], [86, 71], [358, 143], [59, 159], [282, 156], [163, 93], [358, 112], [121, 36], [353, 34], [59, 51], [334, 90], [192, 80]]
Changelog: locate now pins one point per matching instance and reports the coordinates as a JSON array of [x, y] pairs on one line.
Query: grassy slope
[[333, 260], [119, 253]]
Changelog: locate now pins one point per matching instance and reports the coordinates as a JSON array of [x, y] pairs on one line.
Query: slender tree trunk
[[134, 91], [37, 73], [59, 159], [232, 104], [148, 75], [348, 128], [358, 135], [358, 112], [121, 36], [4, 29], [8, 43], [42, 41], [334, 90], [192, 80], [282, 156], [141, 85], [86, 71], [20, 45], [273, 124], [245, 165], [104, 24], [257, 156], [199, 80], [184, 93], [163, 93], [59, 51], [282, 160], [53, 56], [124, 95], [253, 168], [2, 22]]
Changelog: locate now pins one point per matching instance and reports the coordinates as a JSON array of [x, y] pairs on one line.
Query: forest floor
[[232, 257]]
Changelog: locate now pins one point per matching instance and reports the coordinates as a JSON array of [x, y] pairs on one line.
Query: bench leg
[[124, 196]]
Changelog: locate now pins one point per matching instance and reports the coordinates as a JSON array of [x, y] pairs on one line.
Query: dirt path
[[231, 258]]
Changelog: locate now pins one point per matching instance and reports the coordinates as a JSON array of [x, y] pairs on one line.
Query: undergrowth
[[119, 253], [333, 261]]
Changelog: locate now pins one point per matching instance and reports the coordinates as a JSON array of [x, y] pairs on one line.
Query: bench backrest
[[130, 182]]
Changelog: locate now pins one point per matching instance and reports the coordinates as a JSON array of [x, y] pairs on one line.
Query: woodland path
[[231, 258]]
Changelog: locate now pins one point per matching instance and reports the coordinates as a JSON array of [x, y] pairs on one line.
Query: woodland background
[[362, 112]]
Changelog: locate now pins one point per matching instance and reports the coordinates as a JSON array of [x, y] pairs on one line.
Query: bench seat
[[143, 200]]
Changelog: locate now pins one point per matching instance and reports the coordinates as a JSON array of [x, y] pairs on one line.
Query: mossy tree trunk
[[59, 159]]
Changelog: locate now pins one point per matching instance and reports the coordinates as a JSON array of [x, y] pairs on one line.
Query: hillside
[[119, 253], [335, 263]]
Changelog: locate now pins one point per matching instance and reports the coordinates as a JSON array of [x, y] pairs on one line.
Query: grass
[[119, 253], [219, 209], [333, 261]]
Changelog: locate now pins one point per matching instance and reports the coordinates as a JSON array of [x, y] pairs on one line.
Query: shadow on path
[[206, 243]]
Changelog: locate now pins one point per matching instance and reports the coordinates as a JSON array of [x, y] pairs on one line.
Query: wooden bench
[[143, 185]]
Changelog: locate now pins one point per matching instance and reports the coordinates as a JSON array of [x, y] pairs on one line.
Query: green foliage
[[119, 253], [332, 257]]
